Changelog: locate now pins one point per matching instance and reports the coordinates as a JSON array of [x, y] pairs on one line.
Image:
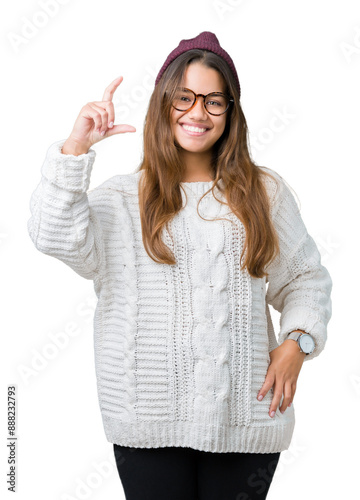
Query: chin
[[194, 149], [191, 146]]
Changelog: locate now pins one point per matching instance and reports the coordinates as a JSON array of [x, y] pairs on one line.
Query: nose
[[198, 112]]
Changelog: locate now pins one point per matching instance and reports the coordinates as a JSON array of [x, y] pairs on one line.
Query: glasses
[[216, 103]]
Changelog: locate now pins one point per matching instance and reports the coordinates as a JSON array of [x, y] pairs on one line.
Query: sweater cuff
[[301, 319], [68, 172]]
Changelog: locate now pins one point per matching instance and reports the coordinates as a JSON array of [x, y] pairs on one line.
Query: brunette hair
[[162, 170]]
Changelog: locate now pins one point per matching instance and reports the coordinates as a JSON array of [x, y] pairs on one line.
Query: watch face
[[306, 343]]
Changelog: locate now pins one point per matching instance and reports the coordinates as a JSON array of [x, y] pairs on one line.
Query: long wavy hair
[[162, 171]]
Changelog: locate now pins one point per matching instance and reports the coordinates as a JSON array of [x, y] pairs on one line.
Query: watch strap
[[294, 335]]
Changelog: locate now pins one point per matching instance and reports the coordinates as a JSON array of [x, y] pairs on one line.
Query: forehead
[[202, 79]]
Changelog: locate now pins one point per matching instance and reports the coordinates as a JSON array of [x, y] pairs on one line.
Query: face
[[202, 80]]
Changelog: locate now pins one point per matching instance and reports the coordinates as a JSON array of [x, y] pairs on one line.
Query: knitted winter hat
[[205, 40]]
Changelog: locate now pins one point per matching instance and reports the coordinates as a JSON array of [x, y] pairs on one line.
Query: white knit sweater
[[181, 351]]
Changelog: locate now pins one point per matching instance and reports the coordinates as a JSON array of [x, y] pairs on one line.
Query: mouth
[[193, 131]]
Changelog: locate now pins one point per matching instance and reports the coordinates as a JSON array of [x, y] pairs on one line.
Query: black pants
[[176, 473]]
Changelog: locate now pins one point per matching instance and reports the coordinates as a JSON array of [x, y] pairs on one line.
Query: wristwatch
[[305, 341]]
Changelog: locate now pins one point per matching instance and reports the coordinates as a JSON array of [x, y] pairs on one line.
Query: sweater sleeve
[[62, 223], [299, 286]]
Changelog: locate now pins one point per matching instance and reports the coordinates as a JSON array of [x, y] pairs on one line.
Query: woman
[[194, 388]]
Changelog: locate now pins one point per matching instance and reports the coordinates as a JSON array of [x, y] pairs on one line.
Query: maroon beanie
[[206, 40]]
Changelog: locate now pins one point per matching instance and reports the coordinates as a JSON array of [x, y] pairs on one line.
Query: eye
[[214, 103]]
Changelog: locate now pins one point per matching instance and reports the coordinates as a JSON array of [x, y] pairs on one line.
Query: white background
[[301, 58]]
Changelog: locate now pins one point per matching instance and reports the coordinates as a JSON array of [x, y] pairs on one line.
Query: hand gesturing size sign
[[95, 122]]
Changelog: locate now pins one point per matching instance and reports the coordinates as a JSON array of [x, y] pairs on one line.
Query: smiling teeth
[[194, 129]]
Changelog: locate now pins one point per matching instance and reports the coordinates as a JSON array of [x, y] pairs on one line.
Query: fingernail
[[282, 411], [260, 397], [289, 404], [111, 124], [103, 132], [272, 414]]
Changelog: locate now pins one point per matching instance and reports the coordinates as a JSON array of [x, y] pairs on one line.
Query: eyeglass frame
[[230, 100]]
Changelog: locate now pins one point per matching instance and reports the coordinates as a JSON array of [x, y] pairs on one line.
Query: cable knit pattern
[[181, 351]]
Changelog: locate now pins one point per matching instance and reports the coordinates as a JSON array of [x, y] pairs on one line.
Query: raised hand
[[95, 122]]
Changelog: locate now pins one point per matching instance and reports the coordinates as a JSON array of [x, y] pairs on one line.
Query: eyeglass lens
[[214, 103]]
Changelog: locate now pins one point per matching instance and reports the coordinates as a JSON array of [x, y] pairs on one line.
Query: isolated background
[[299, 60]]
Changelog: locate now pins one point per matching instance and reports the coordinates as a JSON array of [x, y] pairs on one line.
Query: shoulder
[[273, 183], [277, 187]]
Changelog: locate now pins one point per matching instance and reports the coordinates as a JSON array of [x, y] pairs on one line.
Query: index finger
[[110, 89]]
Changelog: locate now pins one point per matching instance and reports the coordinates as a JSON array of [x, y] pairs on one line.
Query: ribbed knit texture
[[181, 351]]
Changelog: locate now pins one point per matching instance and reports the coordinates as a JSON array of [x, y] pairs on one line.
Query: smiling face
[[202, 80]]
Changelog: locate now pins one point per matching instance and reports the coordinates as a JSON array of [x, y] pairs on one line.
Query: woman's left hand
[[283, 371]]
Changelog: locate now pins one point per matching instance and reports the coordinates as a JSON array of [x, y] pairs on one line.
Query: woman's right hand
[[94, 118]]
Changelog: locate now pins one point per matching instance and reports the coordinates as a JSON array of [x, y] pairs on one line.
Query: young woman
[[186, 255]]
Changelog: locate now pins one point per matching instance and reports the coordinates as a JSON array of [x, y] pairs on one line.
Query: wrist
[[71, 147], [304, 340], [295, 344]]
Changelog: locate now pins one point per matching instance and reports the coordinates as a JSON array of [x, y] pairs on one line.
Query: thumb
[[120, 129]]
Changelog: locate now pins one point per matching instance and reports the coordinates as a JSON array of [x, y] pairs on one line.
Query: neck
[[197, 166]]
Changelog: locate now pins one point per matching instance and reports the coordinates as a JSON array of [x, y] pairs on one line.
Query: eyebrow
[[204, 93]]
